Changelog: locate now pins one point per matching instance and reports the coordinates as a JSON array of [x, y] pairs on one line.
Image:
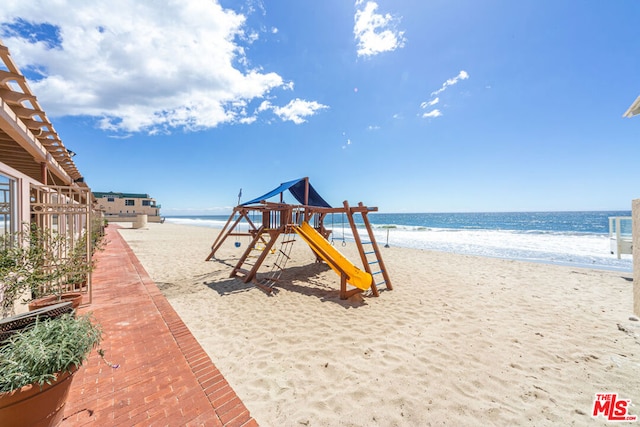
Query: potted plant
[[46, 265], [37, 366], [14, 274], [54, 261], [22, 268], [66, 263]]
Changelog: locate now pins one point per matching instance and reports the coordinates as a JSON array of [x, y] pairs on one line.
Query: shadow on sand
[[304, 280]]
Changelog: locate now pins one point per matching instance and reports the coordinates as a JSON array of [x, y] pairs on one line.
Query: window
[[146, 203], [8, 205], [129, 202], [110, 199]]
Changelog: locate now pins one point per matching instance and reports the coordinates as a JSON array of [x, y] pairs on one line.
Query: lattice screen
[[66, 212]]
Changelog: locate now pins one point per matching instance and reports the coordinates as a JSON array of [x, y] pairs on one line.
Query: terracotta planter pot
[[34, 406], [74, 297]]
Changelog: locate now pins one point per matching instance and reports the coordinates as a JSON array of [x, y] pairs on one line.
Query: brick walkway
[[165, 378]]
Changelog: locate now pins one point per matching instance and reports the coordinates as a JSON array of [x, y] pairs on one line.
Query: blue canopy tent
[[298, 188]]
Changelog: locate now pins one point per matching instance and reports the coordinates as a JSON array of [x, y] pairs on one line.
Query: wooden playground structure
[[274, 226]]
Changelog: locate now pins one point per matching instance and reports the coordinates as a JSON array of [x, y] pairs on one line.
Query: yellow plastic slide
[[337, 261]]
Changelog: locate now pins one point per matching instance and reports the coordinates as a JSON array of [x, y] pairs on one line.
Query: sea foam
[[591, 250]]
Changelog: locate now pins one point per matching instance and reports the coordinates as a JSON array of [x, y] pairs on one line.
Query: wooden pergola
[[634, 109], [28, 141], [40, 184]]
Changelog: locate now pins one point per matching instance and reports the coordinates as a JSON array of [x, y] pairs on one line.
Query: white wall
[[635, 214]]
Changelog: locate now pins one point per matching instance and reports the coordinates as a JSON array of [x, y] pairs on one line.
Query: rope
[[281, 261], [237, 243], [333, 232]]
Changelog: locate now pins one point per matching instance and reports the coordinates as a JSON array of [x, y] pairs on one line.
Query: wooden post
[[356, 235], [250, 274], [224, 233], [635, 214], [344, 293], [376, 250], [43, 172]]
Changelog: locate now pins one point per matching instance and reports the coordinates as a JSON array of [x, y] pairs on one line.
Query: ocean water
[[578, 239]]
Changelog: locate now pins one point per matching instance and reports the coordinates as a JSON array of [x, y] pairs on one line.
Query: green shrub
[[52, 346]]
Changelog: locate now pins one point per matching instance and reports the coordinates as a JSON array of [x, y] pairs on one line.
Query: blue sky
[[408, 105]]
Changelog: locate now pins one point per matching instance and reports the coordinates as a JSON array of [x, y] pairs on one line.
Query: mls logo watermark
[[612, 408]]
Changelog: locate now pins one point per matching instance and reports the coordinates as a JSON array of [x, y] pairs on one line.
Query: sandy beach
[[461, 340]]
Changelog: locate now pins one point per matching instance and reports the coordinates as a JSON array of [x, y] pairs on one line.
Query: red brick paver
[[165, 378]]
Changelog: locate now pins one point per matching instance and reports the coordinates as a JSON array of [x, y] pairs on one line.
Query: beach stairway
[[369, 250]]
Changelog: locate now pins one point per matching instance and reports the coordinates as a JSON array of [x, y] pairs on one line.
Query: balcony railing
[[620, 235]]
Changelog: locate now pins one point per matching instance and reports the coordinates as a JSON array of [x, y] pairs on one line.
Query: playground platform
[[164, 376]]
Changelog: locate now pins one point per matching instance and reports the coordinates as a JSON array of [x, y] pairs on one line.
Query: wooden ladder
[[248, 266], [371, 256], [283, 254]]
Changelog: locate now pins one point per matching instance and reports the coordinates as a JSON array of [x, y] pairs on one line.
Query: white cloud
[[462, 75], [375, 33], [140, 66], [247, 120], [430, 103], [297, 110], [432, 113], [264, 106]]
